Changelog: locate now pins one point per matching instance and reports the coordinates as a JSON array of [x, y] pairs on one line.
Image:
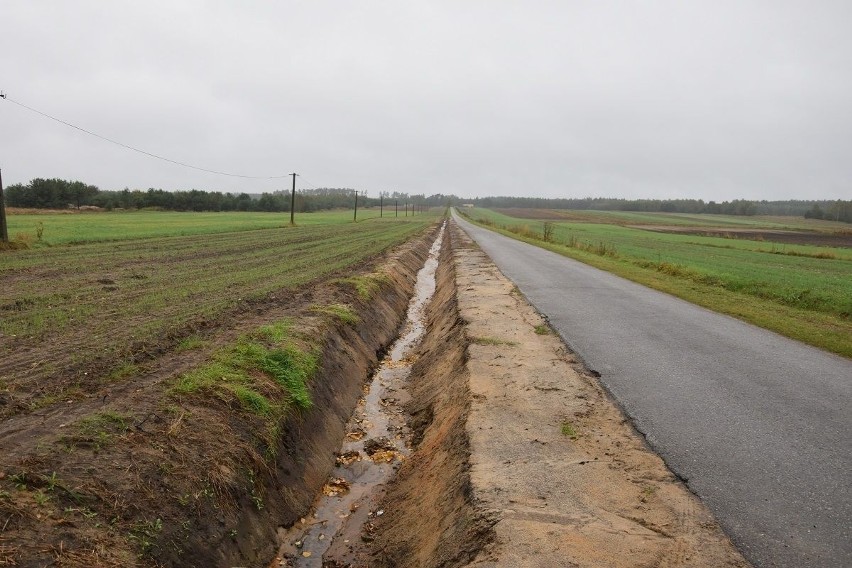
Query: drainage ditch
[[342, 522]]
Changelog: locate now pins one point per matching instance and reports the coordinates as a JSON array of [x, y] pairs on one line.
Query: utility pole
[[381, 205], [396, 207], [293, 201], [355, 217], [4, 230]]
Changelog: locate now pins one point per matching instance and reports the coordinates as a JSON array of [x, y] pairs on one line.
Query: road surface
[[759, 426]]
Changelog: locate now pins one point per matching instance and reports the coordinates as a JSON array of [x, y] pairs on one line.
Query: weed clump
[[292, 369], [568, 430], [367, 285], [341, 312], [98, 430], [264, 371], [486, 340]]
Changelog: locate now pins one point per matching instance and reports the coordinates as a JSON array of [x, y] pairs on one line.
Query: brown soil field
[[126, 474], [817, 238], [775, 236], [541, 214]]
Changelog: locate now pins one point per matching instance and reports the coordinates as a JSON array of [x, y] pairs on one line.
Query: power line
[[306, 182], [117, 143]]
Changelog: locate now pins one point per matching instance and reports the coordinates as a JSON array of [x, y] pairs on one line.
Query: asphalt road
[[759, 426]]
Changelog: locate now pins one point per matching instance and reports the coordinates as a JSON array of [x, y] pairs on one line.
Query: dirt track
[[523, 460]]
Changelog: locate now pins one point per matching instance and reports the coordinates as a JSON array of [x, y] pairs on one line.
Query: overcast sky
[[696, 99]]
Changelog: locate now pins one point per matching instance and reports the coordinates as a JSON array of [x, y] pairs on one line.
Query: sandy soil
[[523, 458]]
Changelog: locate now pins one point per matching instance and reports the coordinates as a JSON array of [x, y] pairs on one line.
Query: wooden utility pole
[[355, 217], [396, 207], [293, 202], [4, 229], [381, 205]]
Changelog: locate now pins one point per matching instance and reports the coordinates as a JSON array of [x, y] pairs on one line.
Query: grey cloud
[[713, 100]]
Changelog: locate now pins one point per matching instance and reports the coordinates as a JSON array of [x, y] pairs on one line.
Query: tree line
[[60, 194], [835, 210]]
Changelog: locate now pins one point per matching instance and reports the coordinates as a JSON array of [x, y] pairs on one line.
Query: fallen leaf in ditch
[[355, 435], [348, 458], [385, 456], [336, 486]]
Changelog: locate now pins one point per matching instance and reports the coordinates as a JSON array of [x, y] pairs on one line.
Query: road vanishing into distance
[[759, 426]]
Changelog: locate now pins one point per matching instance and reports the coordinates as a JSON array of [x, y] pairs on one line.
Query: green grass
[[107, 421], [267, 373], [124, 371], [486, 340], [189, 343], [68, 228], [98, 429], [341, 312], [276, 332], [803, 292], [366, 285], [568, 430], [252, 400], [239, 369]]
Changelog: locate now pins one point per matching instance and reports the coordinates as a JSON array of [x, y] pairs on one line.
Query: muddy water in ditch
[[336, 532]]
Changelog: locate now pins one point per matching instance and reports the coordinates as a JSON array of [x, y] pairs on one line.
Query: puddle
[[376, 443]]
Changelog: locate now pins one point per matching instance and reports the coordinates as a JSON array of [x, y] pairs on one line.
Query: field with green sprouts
[[58, 228], [70, 308], [764, 272]]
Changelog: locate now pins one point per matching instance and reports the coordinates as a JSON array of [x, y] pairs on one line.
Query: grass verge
[[794, 296]]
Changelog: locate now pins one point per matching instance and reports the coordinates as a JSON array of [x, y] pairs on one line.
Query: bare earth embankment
[[522, 459]]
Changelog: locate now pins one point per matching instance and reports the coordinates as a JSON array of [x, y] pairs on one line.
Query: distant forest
[[835, 210], [61, 194]]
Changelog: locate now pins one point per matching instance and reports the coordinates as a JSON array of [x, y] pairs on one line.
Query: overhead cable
[[127, 146]]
